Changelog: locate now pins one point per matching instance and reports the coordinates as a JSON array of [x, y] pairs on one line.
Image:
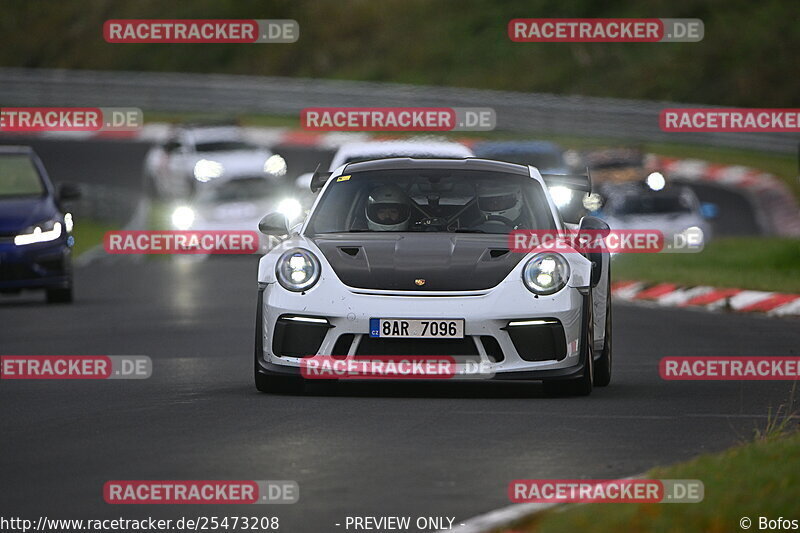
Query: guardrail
[[629, 120]]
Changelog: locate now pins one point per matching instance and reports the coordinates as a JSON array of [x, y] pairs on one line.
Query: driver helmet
[[500, 200], [388, 209]]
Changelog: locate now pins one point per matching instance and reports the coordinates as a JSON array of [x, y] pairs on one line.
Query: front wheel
[[602, 371]]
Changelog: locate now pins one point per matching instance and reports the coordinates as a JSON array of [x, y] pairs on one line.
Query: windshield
[[224, 146], [239, 190], [651, 205], [19, 177], [431, 200]]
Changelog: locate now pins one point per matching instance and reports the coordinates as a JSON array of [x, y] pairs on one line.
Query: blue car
[[548, 157], [35, 232]]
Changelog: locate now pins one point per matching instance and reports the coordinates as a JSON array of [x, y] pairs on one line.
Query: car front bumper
[[35, 266], [347, 313]]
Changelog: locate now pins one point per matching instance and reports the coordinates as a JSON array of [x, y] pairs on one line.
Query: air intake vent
[[352, 251]]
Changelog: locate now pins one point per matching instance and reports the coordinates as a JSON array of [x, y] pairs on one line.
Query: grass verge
[[757, 479], [758, 263], [88, 234]]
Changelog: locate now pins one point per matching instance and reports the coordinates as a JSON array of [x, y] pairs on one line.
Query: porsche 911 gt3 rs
[[394, 243]]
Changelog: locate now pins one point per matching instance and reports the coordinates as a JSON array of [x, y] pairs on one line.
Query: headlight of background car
[[290, 208], [49, 230], [561, 195], [275, 165], [546, 273], [297, 270], [183, 217], [206, 170]]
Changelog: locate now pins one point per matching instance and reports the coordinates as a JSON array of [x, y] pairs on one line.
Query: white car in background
[[370, 150], [418, 149], [195, 155], [674, 210], [237, 204]]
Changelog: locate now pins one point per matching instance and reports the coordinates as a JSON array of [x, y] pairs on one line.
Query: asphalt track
[[355, 449]]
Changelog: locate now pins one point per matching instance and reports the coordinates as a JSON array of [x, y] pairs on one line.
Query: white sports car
[[356, 152], [392, 242], [196, 155], [237, 204]]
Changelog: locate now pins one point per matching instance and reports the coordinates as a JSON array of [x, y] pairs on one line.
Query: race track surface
[[445, 449], [355, 449]]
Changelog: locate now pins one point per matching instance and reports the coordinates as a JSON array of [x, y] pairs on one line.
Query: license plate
[[404, 328]]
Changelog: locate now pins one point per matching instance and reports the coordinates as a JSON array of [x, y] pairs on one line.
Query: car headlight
[[297, 270], [275, 165], [183, 217], [49, 230], [546, 273], [206, 170]]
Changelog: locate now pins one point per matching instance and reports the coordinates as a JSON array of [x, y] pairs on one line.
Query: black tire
[[581, 386], [602, 367], [59, 296]]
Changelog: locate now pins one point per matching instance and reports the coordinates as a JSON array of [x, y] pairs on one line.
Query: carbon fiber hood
[[419, 261]]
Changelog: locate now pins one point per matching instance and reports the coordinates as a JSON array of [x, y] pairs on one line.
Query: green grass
[[759, 263], [88, 234], [759, 478]]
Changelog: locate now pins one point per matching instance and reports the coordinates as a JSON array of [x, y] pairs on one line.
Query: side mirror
[[68, 191], [595, 226], [274, 224]]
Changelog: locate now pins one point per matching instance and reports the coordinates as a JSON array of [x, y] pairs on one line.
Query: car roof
[[401, 163]]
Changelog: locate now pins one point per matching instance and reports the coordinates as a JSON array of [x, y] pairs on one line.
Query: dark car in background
[[548, 157], [35, 231]]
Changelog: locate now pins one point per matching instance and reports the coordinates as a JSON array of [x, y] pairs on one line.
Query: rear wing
[[578, 182], [319, 179]]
